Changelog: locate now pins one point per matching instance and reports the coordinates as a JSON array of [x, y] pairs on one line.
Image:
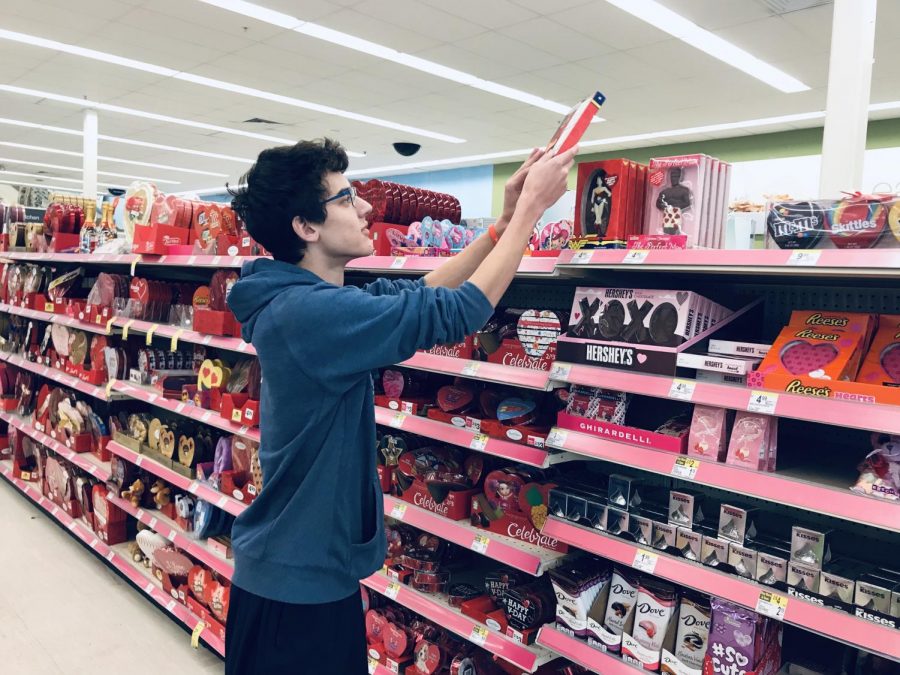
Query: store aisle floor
[[64, 612]]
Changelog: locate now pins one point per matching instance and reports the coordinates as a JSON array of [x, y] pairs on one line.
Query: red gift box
[[156, 239], [511, 353], [460, 350], [456, 505], [215, 322], [387, 235], [410, 406], [623, 434], [512, 525], [64, 241]]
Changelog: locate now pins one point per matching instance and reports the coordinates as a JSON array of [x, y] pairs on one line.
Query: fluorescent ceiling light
[[118, 160], [78, 169], [341, 39], [5, 172], [84, 103], [690, 33], [887, 105], [48, 187], [220, 84]]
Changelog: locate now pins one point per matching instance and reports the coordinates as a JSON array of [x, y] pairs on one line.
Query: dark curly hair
[[285, 182]]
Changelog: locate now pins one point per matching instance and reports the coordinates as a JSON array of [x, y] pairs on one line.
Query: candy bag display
[[708, 432]]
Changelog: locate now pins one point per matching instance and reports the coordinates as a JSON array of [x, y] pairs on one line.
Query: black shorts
[[268, 637]]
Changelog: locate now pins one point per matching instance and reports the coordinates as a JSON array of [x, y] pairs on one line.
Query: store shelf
[[50, 317], [579, 652], [480, 370], [157, 522], [117, 556], [529, 266], [867, 416], [106, 258], [835, 262], [85, 461], [195, 487], [215, 261], [774, 487], [823, 620], [60, 377], [469, 439], [436, 608], [531, 559], [210, 417], [167, 331]]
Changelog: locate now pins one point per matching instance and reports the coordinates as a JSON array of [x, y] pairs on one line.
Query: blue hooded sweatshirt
[[317, 527]]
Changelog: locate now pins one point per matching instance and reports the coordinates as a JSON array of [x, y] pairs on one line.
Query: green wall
[[881, 134]]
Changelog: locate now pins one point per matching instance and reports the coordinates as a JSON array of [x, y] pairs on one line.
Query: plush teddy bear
[[162, 495], [134, 493]]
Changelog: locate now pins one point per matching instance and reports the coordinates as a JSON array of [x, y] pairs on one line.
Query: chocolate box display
[[440, 480], [610, 200], [854, 222], [675, 196]]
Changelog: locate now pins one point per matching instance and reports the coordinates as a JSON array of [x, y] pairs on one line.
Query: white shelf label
[[110, 556], [645, 561], [94, 543], [398, 263], [139, 460], [480, 544], [470, 369], [560, 371], [206, 340], [479, 442], [148, 589], [557, 438], [762, 402], [373, 665], [685, 467], [772, 605], [397, 420], [582, 257], [804, 258], [192, 488], [179, 407], [479, 635], [205, 416], [398, 511], [152, 523], [392, 590], [171, 605], [635, 256], [242, 346], [222, 502], [683, 390], [171, 535]]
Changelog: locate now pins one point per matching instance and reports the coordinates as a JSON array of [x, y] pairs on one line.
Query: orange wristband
[[492, 233]]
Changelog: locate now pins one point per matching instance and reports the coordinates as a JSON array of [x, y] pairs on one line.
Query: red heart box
[[375, 625], [172, 562], [502, 490], [801, 357], [218, 598], [428, 657], [198, 581], [396, 641], [455, 399]]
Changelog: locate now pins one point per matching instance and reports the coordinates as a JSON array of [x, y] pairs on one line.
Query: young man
[[316, 528]]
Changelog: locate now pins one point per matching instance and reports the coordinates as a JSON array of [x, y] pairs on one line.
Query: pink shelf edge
[[461, 437], [828, 258], [51, 317], [379, 263], [59, 376], [160, 524], [459, 532], [771, 486], [190, 411], [500, 645], [493, 372], [870, 417], [834, 623], [79, 459], [582, 654], [195, 487], [168, 331], [124, 566]]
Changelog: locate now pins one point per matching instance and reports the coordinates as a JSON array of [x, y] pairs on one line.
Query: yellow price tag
[[49, 307], [134, 264], [173, 346], [236, 415], [150, 332], [109, 387], [195, 636], [125, 328], [685, 467], [109, 324]]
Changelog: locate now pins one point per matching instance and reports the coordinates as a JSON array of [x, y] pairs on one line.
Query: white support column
[[849, 83], [89, 150]]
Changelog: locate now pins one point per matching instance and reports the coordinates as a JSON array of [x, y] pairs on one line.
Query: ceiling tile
[[607, 24], [494, 14], [509, 51], [414, 16], [546, 35]]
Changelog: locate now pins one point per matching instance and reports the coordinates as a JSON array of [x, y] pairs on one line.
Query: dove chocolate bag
[[693, 630], [655, 607], [623, 593]]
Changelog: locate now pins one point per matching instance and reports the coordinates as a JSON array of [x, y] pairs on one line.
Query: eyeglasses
[[343, 194]]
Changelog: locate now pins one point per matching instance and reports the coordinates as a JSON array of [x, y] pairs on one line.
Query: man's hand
[[513, 189]]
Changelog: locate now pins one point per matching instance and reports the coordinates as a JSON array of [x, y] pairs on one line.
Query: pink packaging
[[654, 610], [750, 439], [707, 437], [675, 196], [710, 192]]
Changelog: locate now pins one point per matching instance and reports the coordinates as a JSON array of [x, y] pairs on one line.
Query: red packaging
[[156, 239], [603, 192], [385, 236]]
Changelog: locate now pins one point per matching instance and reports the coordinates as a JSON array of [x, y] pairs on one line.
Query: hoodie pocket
[[367, 556]]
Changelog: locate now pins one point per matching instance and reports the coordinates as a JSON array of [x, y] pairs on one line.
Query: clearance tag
[[134, 264], [109, 324], [125, 328], [150, 332], [109, 387], [195, 636], [173, 346]]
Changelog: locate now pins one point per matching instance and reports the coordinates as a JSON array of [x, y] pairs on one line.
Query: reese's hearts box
[[855, 222]]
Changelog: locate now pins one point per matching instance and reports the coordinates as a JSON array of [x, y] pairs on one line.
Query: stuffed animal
[[162, 495], [134, 493], [880, 470]]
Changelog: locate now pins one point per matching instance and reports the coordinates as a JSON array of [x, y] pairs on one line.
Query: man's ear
[[305, 230]]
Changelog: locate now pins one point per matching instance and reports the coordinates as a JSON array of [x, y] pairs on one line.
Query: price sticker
[[173, 345], [191, 260], [804, 258], [205, 416], [470, 369], [479, 635], [222, 502], [236, 415], [195, 636], [134, 264], [479, 442], [206, 340], [152, 523], [557, 438], [171, 535], [109, 324], [480, 544], [171, 605], [192, 488], [48, 307], [92, 469], [126, 327], [150, 332], [635, 256], [139, 460], [242, 347], [685, 467], [398, 511], [683, 390], [216, 260], [110, 556], [392, 590], [148, 589], [373, 665], [645, 561], [179, 408], [582, 257], [772, 605], [398, 263], [397, 420], [109, 387], [762, 402], [560, 371], [94, 543]]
